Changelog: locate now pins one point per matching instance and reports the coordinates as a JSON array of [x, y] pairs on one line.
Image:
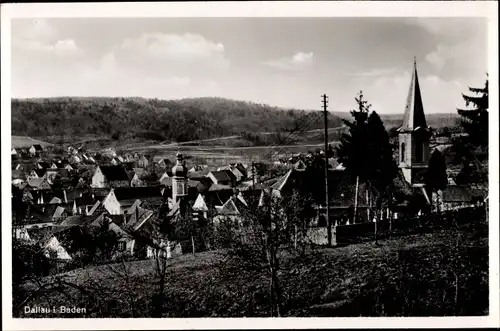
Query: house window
[[121, 246], [403, 151]]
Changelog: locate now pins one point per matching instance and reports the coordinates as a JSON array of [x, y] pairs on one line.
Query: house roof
[[61, 171], [219, 187], [40, 172], [40, 234], [198, 173], [114, 173], [165, 161], [36, 182], [138, 217], [132, 208], [94, 207], [200, 204], [223, 175], [341, 186], [145, 192], [233, 206]]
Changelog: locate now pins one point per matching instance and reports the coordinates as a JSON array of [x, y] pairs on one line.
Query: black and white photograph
[[261, 165]]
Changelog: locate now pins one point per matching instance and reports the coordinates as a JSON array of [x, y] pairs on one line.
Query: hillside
[[151, 119], [131, 120], [23, 141]]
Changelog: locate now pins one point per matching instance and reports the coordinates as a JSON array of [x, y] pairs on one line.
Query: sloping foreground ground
[[432, 274]]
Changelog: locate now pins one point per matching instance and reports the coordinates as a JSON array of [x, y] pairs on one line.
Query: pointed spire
[[414, 116]]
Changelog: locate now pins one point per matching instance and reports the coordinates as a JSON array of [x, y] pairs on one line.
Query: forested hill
[[153, 119], [168, 120]]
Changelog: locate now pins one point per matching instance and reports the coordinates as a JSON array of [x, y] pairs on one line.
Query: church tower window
[[403, 151]]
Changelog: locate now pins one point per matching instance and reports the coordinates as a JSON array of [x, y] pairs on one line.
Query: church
[[414, 136]]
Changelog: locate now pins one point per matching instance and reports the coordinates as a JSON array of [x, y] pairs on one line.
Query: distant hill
[[436, 120], [153, 119], [140, 119]]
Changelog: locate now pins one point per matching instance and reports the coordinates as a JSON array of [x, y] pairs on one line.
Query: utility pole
[[253, 175], [327, 200]]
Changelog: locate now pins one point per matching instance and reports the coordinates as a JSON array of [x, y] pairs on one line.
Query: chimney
[[65, 196]]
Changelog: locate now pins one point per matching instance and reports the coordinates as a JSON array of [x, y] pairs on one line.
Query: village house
[[35, 150], [164, 164], [142, 162], [200, 208], [51, 174], [222, 177], [38, 184], [136, 181], [37, 173], [110, 176], [120, 199]]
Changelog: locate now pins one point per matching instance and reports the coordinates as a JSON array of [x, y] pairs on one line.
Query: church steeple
[[414, 134], [414, 117]]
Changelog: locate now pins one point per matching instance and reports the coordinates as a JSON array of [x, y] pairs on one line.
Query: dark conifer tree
[[436, 177], [475, 118]]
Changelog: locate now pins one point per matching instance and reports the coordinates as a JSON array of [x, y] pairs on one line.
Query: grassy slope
[[408, 276], [23, 141]]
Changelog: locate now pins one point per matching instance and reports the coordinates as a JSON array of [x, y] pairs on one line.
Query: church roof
[[414, 116]]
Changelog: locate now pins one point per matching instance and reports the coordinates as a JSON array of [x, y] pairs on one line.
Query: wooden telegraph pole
[[327, 200]]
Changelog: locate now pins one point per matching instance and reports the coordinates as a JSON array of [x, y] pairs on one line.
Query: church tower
[[414, 135], [179, 180]]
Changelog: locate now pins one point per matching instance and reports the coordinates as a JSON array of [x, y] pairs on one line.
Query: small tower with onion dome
[[179, 179]]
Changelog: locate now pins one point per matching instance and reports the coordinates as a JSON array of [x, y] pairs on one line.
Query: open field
[[23, 141], [431, 274], [222, 155]]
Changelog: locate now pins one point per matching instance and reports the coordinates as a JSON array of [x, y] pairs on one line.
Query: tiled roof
[[126, 193], [223, 175], [114, 173]]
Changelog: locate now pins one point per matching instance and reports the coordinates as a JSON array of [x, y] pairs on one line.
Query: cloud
[[33, 29], [174, 52], [388, 94], [375, 72], [448, 26], [66, 47], [298, 61], [41, 37]]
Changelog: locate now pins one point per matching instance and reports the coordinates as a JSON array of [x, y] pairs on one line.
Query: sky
[[284, 62]]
